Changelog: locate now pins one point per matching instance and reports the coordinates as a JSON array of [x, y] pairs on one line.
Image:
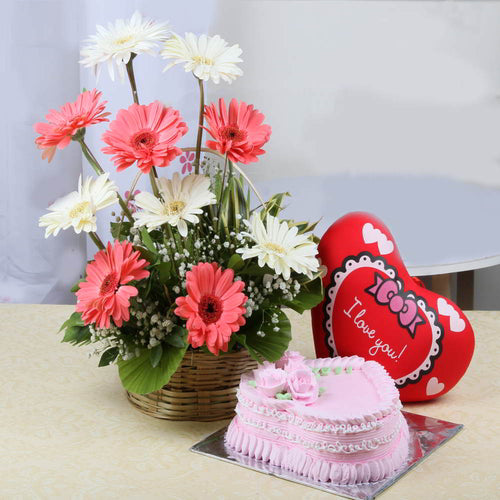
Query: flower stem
[[129, 197], [169, 248], [90, 157], [196, 162], [222, 190], [131, 77], [153, 177], [99, 171], [97, 240], [132, 188], [216, 153]]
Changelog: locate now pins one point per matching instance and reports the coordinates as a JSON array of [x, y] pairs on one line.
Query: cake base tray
[[426, 435]]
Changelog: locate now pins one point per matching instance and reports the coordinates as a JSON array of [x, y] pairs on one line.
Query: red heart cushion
[[373, 308]]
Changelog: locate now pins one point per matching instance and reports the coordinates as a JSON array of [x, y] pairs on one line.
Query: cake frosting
[[331, 419]]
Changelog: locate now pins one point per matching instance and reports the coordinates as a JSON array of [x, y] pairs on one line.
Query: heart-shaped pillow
[[373, 308]]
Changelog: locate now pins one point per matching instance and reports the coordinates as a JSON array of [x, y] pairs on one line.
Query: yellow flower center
[[203, 60], [123, 40], [274, 248], [174, 207], [79, 209]]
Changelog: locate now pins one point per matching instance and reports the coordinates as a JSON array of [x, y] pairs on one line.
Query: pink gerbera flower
[[146, 135], [213, 307], [105, 295], [239, 133], [62, 125]]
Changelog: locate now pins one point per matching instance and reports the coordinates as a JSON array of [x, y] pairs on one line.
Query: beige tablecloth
[[67, 430]]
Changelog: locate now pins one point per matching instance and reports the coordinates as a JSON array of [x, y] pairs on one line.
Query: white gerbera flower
[[115, 44], [208, 57], [182, 200], [280, 247], [78, 208]]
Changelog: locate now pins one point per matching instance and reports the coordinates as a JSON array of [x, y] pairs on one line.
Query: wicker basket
[[202, 389]]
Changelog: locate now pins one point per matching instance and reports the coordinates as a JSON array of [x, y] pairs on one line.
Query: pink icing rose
[[270, 380], [290, 361], [303, 385]]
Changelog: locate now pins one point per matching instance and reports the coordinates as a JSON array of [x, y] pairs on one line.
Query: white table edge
[[455, 267]]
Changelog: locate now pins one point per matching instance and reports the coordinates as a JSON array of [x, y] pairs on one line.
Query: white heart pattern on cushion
[[457, 324], [373, 235], [434, 386]]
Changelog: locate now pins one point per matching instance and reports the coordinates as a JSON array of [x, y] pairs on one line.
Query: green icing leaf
[[325, 370], [348, 369], [285, 395], [337, 370], [321, 390], [252, 383], [139, 376]]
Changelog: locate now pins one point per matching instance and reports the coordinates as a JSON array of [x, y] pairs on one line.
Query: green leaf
[[108, 356], [137, 374], [275, 204], [304, 227], [310, 295], [155, 355], [272, 346], [146, 254], [77, 335], [146, 239], [74, 320], [175, 341], [177, 337], [244, 206], [235, 262], [76, 287], [120, 230], [256, 270], [165, 271], [235, 202]]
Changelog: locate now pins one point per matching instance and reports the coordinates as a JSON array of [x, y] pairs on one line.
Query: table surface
[[68, 431], [440, 225]]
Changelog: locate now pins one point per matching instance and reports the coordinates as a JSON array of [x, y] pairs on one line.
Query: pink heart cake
[[330, 419]]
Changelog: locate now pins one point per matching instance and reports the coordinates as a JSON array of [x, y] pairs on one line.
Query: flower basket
[[189, 288], [203, 388]]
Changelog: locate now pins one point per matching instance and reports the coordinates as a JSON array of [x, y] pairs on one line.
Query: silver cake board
[[427, 434]]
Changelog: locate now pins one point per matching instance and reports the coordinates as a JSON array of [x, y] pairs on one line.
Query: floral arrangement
[[190, 265]]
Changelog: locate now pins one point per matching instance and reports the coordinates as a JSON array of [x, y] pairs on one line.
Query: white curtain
[[39, 53], [336, 79], [40, 42]]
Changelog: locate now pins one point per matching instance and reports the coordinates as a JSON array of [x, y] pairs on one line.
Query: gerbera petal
[[146, 134], [213, 306], [100, 297]]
